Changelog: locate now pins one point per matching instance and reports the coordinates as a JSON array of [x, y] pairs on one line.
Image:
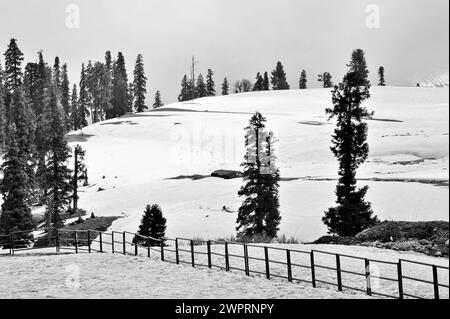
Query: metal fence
[[272, 262]]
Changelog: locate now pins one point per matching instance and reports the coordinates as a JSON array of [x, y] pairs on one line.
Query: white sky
[[236, 38]]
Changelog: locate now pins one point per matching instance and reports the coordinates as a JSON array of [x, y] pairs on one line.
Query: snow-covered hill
[[134, 158]]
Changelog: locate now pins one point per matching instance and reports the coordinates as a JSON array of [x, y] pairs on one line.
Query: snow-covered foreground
[[133, 158], [125, 277], [118, 276]]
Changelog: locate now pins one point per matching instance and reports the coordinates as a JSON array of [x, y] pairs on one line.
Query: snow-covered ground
[[133, 159]]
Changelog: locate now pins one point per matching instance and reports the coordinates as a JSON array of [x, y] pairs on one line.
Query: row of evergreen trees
[[191, 89], [33, 106], [259, 216]]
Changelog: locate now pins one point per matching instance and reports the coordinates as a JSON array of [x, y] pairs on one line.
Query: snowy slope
[[133, 159]]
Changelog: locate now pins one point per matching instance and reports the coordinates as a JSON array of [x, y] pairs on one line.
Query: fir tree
[[58, 179], [74, 107], [200, 88], [266, 83], [79, 174], [303, 80], [325, 79], [130, 98], [153, 225], [65, 97], [259, 213], [57, 73], [278, 78], [83, 103], [120, 93], [225, 87], [210, 85], [13, 75], [381, 81], [259, 84], [358, 66], [3, 122], [184, 89], [353, 214], [17, 185], [158, 103], [139, 85]]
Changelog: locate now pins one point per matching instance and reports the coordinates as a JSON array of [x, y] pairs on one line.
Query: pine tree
[[184, 90], [353, 214], [17, 185], [139, 85], [266, 83], [259, 213], [153, 225], [303, 80], [278, 78], [3, 122], [83, 103], [158, 103], [381, 81], [107, 86], [57, 73], [120, 94], [58, 177], [225, 87], [325, 79], [130, 98], [74, 120], [200, 88], [79, 174], [259, 84], [210, 85], [358, 66], [65, 97], [13, 76]]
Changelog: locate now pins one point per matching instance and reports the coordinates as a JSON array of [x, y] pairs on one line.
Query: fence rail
[[271, 262]]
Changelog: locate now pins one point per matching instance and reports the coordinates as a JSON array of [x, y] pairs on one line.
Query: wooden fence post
[[76, 242], [368, 281], [101, 241], [124, 243], [266, 258], [11, 239], [162, 249], [149, 247], [227, 258], [313, 270], [435, 282], [177, 253], [89, 240], [192, 253], [209, 253], [400, 279], [339, 273], [289, 265], [112, 242], [58, 244], [135, 248], [247, 266]]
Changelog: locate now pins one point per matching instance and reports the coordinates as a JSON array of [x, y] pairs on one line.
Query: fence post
[[149, 247], [101, 241], [339, 273], [435, 282], [227, 258], [192, 253], [247, 266], [368, 282], [58, 244], [112, 242], [266, 258], [76, 242], [11, 238], [209, 253], [289, 265], [135, 247], [400, 279], [162, 249], [177, 253], [313, 270], [89, 240], [124, 243]]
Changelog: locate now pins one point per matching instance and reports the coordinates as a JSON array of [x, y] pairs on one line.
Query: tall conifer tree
[[139, 85]]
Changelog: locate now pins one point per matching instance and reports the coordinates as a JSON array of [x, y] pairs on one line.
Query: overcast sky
[[235, 38]]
